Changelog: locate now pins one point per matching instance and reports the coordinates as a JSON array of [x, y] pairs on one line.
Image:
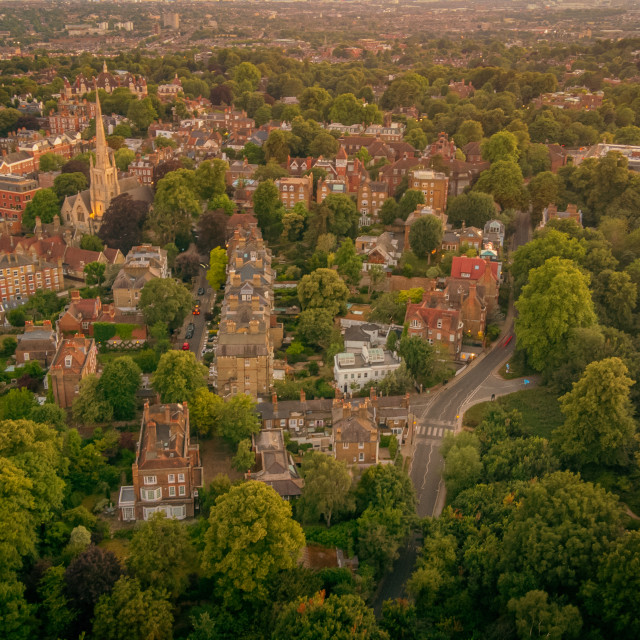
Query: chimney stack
[[303, 396], [151, 435]]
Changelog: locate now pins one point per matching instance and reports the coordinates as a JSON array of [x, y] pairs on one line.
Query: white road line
[[440, 432]]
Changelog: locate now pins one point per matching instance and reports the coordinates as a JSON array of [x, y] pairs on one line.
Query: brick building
[[167, 472], [294, 190], [38, 342], [75, 359], [15, 193], [354, 437], [436, 326], [21, 276], [434, 186]]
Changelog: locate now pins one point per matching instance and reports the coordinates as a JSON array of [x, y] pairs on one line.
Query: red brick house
[[167, 472], [437, 326], [484, 273], [354, 437], [38, 343], [75, 359]]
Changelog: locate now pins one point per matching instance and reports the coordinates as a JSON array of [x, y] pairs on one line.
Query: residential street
[[200, 324]]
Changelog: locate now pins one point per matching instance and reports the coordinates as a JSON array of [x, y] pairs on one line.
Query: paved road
[[199, 322]]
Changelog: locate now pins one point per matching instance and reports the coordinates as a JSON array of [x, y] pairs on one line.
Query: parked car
[[185, 346], [201, 291]]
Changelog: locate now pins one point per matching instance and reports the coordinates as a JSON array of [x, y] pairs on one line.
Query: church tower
[[104, 173]]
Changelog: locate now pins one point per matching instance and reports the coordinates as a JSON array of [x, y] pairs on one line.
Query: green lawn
[[539, 408]]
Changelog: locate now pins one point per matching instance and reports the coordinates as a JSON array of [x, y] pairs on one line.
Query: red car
[[508, 340], [196, 312], [185, 346]]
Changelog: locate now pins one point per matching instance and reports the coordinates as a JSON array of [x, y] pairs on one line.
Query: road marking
[[440, 432]]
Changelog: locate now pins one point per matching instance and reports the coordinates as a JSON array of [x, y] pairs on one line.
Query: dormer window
[[439, 324], [67, 361]]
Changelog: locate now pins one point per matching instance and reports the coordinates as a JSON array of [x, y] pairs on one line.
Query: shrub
[[313, 368]]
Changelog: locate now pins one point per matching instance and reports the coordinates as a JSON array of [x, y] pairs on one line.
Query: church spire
[[104, 66], [102, 154]]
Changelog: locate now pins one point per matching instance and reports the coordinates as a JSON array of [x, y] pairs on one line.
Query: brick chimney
[[151, 435], [75, 294], [303, 396]]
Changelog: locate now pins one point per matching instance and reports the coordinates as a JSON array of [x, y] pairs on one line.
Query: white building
[[354, 370]]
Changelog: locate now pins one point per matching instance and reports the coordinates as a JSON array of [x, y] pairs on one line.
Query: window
[[181, 477], [361, 457], [151, 494], [293, 422], [439, 324], [451, 337], [415, 324], [172, 492], [345, 445], [150, 480], [182, 490], [67, 361], [172, 477], [360, 445], [439, 336]]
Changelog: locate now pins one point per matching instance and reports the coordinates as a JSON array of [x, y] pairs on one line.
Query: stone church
[[85, 210]]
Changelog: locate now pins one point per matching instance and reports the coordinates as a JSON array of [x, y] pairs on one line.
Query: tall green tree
[[119, 383], [267, 207], [178, 376], [131, 613], [599, 427], [238, 418], [501, 146], [323, 289], [176, 205], [44, 205], [216, 274], [504, 181], [425, 236], [164, 300], [555, 301], [315, 327], [160, 553], [339, 617], [536, 617], [326, 488], [210, 178], [349, 262], [250, 539], [68, 184], [474, 209], [205, 409]]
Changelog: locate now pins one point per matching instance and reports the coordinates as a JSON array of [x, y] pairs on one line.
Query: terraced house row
[[249, 332]]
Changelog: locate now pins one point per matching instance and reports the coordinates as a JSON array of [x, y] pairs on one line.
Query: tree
[[141, 113], [90, 575], [474, 209], [210, 178], [16, 615], [425, 236], [293, 224], [187, 265], [211, 230], [534, 254], [315, 327], [159, 554], [17, 404], [94, 273], [204, 411], [245, 458], [58, 614], [175, 206], [417, 138], [238, 419], [612, 597], [326, 488], [346, 109], [504, 181], [164, 300], [536, 617], [501, 146], [131, 613], [90, 405], [339, 617], [50, 162], [323, 289], [178, 376], [247, 75], [599, 427], [216, 274], [349, 262], [342, 215], [389, 211], [17, 317], [463, 467], [377, 275], [122, 223], [615, 297], [124, 157], [276, 147], [91, 243], [554, 539], [43, 205], [250, 539], [221, 202], [51, 414], [544, 190], [267, 207], [119, 382], [383, 486], [556, 300], [409, 202], [325, 145], [68, 184]]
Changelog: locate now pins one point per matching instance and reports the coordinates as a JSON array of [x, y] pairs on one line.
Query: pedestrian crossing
[[431, 431]]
